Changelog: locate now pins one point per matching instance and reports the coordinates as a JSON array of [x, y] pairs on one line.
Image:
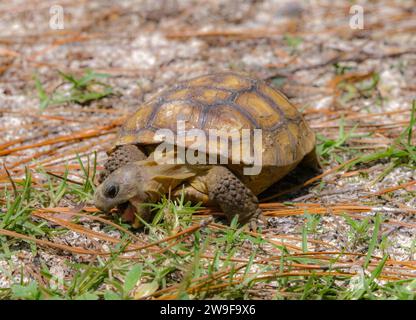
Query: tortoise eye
[[111, 191]]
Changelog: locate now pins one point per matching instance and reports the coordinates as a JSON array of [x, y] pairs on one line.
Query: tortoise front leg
[[232, 196], [190, 194], [120, 157]]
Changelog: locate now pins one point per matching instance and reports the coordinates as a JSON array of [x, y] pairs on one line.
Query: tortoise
[[227, 100]]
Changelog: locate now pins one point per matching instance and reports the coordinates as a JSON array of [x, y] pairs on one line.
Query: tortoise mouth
[[133, 212], [126, 211]]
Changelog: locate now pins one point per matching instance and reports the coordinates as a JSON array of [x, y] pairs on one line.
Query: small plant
[[16, 215], [278, 81], [292, 42], [358, 233], [341, 69], [327, 148], [353, 89], [401, 152], [171, 212], [30, 291], [312, 222], [363, 286], [81, 90]]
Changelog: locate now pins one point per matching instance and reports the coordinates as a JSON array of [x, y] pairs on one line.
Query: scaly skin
[[232, 196], [120, 157]]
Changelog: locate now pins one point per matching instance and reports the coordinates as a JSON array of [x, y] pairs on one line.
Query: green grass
[[83, 90], [329, 149], [401, 152], [341, 69], [197, 257], [116, 278], [292, 42], [366, 88]]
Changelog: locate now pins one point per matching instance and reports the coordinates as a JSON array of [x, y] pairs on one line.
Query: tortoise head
[[136, 183], [121, 186]]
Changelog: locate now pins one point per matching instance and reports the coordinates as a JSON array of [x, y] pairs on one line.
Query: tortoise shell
[[225, 101]]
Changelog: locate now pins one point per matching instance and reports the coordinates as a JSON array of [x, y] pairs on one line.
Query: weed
[[81, 90], [401, 152], [292, 42], [328, 149], [365, 88]]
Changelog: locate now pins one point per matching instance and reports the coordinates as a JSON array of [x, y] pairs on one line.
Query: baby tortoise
[[131, 176]]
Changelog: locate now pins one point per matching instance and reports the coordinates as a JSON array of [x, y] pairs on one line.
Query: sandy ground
[[148, 45]]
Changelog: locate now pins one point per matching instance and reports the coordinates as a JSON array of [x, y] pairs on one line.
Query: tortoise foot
[[258, 220]]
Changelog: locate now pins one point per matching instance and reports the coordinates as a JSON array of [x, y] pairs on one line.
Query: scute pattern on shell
[[225, 101]]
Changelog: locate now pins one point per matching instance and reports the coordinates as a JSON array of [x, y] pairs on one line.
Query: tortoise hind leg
[[232, 196], [120, 157]]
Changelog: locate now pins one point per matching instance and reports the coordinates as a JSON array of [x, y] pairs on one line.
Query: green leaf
[[374, 240], [411, 124], [68, 77], [377, 271], [278, 81], [43, 97], [28, 292], [146, 289], [109, 295], [304, 238], [91, 76], [87, 296], [132, 277], [292, 41]]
